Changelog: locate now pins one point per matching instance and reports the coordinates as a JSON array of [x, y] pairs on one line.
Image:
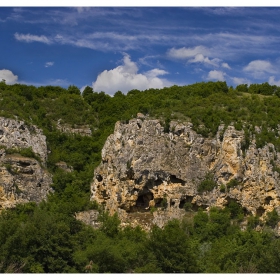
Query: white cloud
[[259, 67], [239, 81], [126, 77], [155, 72], [198, 54], [28, 38], [187, 53], [272, 81], [202, 59], [49, 64], [8, 76], [225, 65], [216, 75]]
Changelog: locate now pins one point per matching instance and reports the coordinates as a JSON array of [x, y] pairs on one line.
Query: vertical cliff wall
[[143, 166], [22, 179]]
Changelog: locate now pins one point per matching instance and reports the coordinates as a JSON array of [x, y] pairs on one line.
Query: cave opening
[[24, 163], [235, 208], [99, 178], [260, 211], [143, 201], [196, 207], [158, 202], [267, 200], [158, 182], [174, 180], [172, 203], [183, 202]]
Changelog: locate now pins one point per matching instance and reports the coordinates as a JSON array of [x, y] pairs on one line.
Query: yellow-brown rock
[[143, 167]]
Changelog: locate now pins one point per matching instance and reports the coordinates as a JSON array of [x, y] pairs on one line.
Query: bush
[[164, 203], [208, 184], [253, 221], [272, 218], [235, 210], [188, 206], [232, 183], [222, 188]]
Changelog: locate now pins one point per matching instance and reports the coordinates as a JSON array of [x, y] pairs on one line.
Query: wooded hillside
[[47, 238]]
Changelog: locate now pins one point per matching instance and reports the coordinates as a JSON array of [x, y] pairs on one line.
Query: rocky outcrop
[[63, 165], [68, 129], [16, 134], [144, 167], [89, 217], [22, 179]]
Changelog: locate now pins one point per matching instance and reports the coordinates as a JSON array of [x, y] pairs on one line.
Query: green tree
[[171, 248], [242, 87], [73, 90]]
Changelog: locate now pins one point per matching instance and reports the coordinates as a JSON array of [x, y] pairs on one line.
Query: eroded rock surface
[[144, 167], [22, 179], [16, 134], [66, 128]]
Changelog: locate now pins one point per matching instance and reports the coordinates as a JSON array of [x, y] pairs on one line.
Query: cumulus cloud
[[259, 67], [126, 77], [28, 38], [272, 81], [8, 76], [49, 64], [216, 75]]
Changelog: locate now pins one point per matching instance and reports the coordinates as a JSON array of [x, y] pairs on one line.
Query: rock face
[[144, 167], [82, 130], [16, 134], [22, 179], [89, 217]]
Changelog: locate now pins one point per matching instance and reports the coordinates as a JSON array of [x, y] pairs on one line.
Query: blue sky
[[123, 48]]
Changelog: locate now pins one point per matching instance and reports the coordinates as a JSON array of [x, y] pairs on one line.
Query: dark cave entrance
[[173, 179], [143, 201], [267, 200], [161, 203], [260, 211], [186, 202]]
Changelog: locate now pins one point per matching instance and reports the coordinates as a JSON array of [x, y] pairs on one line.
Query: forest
[[47, 238]]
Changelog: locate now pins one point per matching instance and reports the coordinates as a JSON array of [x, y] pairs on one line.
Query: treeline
[[48, 238], [264, 88]]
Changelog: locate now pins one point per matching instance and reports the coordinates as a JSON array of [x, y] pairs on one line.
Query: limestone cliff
[[22, 179], [143, 167], [16, 134]]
